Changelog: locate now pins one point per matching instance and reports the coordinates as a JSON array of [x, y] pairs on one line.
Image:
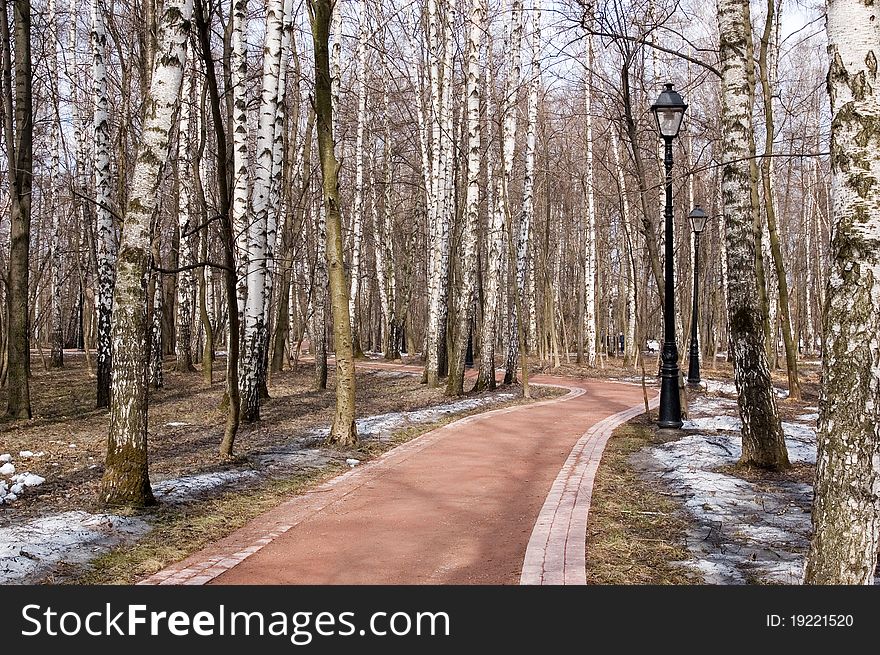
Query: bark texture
[[846, 507], [126, 478], [763, 443]]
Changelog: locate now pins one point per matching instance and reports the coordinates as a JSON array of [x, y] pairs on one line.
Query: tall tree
[[468, 266], [18, 125], [357, 213], [258, 252], [126, 477], [590, 237], [763, 442], [846, 506], [105, 236], [768, 53], [185, 279], [56, 317], [343, 430]]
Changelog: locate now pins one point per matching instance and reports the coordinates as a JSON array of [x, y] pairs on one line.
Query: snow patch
[[185, 488], [31, 550], [714, 423], [5, 457], [176, 424], [7, 469], [352, 462], [382, 426], [29, 479], [718, 386], [813, 416]]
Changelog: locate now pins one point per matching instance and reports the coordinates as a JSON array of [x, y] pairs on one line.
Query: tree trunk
[[357, 213], [126, 479], [763, 443], [343, 432], [56, 331], [464, 304], [846, 504], [18, 126], [768, 82], [185, 282], [259, 250], [105, 238]]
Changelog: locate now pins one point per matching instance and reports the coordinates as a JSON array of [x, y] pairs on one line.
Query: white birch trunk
[[762, 437], [846, 507], [185, 279], [157, 380], [494, 237], [126, 479], [590, 237], [319, 322], [528, 205], [464, 300], [359, 196], [255, 317], [240, 159], [105, 233], [336, 62], [510, 120]]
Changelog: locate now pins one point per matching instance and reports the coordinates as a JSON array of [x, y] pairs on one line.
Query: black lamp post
[[698, 223], [669, 112]]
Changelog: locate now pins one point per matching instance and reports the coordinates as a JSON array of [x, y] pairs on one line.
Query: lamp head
[[698, 218], [669, 111]]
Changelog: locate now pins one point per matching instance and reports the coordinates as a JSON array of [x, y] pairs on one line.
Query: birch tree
[[590, 237], [126, 478], [105, 235], [763, 443], [528, 202], [467, 270], [185, 279], [239, 129], [498, 216], [259, 252], [357, 213], [846, 506]]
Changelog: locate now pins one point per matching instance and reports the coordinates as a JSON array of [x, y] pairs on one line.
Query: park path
[[495, 498]]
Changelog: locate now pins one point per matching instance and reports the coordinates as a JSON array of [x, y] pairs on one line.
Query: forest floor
[[668, 508], [674, 507], [55, 532]]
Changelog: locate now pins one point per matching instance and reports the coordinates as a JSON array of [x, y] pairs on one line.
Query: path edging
[[556, 553]]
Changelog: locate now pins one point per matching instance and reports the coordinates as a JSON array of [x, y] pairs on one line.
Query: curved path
[[495, 498]]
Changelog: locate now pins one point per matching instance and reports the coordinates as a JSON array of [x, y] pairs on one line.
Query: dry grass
[[635, 532]]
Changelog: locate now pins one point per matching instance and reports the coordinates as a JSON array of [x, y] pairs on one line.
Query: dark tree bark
[[18, 126]]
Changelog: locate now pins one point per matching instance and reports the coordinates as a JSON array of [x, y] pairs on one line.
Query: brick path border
[[556, 553]]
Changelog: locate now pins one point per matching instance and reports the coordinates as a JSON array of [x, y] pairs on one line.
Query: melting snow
[[182, 489], [5, 457], [31, 550], [742, 532], [382, 426]]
